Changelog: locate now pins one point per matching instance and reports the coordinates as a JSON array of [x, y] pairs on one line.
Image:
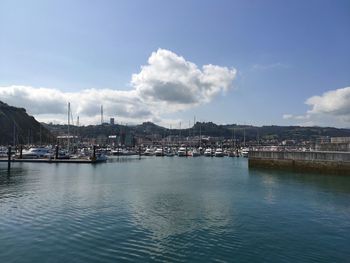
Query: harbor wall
[[315, 161]]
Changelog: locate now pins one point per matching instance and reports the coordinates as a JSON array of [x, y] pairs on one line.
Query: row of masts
[[189, 125], [70, 119], [233, 138]]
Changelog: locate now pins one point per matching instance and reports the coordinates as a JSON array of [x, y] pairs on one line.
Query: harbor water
[[171, 209]]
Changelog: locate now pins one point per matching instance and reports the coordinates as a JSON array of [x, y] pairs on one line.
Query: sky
[[246, 62]]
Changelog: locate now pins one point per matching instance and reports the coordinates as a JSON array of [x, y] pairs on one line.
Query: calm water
[[171, 209]]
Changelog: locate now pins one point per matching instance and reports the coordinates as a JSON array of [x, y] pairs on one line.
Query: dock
[[300, 161], [87, 161]]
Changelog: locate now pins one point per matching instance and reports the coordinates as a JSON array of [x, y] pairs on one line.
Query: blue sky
[[284, 52]]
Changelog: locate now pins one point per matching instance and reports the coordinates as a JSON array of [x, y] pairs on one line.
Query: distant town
[[20, 128]]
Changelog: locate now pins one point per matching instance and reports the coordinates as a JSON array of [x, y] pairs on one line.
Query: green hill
[[16, 125], [251, 133]]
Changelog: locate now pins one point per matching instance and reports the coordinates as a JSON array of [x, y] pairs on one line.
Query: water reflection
[[16, 175], [171, 209], [333, 183], [124, 159]]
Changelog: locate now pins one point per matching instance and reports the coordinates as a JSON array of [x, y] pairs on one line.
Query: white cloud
[[334, 102], [295, 117], [332, 108], [287, 116], [166, 84], [170, 79], [37, 100], [51, 104]]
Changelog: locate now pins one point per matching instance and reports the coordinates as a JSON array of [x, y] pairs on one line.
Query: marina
[[175, 131]]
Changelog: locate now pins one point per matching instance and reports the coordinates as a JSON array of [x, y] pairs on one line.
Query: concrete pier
[[313, 161]]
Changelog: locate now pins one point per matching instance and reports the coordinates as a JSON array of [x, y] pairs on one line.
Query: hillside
[[16, 124], [266, 133]]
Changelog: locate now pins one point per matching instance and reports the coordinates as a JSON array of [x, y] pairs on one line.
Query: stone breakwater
[[313, 161]]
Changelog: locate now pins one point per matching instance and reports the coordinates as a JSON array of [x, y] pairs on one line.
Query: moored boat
[[195, 153], [182, 152], [35, 153], [245, 152], [149, 152], [208, 152], [219, 153], [159, 152], [169, 153]]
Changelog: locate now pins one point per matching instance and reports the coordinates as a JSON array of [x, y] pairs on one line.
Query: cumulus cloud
[[38, 100], [169, 78], [51, 104], [167, 83], [332, 108], [334, 102]]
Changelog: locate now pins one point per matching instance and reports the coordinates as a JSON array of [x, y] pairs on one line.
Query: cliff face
[[16, 124]]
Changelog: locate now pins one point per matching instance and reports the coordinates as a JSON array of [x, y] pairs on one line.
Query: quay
[[302, 161], [87, 161], [11, 159]]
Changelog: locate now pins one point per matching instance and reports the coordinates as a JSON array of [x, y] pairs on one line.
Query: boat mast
[[193, 130], [77, 131], [180, 133], [68, 125], [189, 133], [73, 129], [170, 139], [234, 138], [14, 133], [244, 135], [101, 114], [200, 135], [40, 136]]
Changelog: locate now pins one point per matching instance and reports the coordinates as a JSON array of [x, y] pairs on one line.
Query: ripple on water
[[171, 209]]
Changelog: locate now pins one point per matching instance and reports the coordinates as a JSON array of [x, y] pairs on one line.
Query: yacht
[[219, 153], [159, 152], [208, 152], [181, 152], [195, 153], [245, 152], [231, 153], [148, 152], [35, 153], [169, 153], [201, 150], [3, 152]]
